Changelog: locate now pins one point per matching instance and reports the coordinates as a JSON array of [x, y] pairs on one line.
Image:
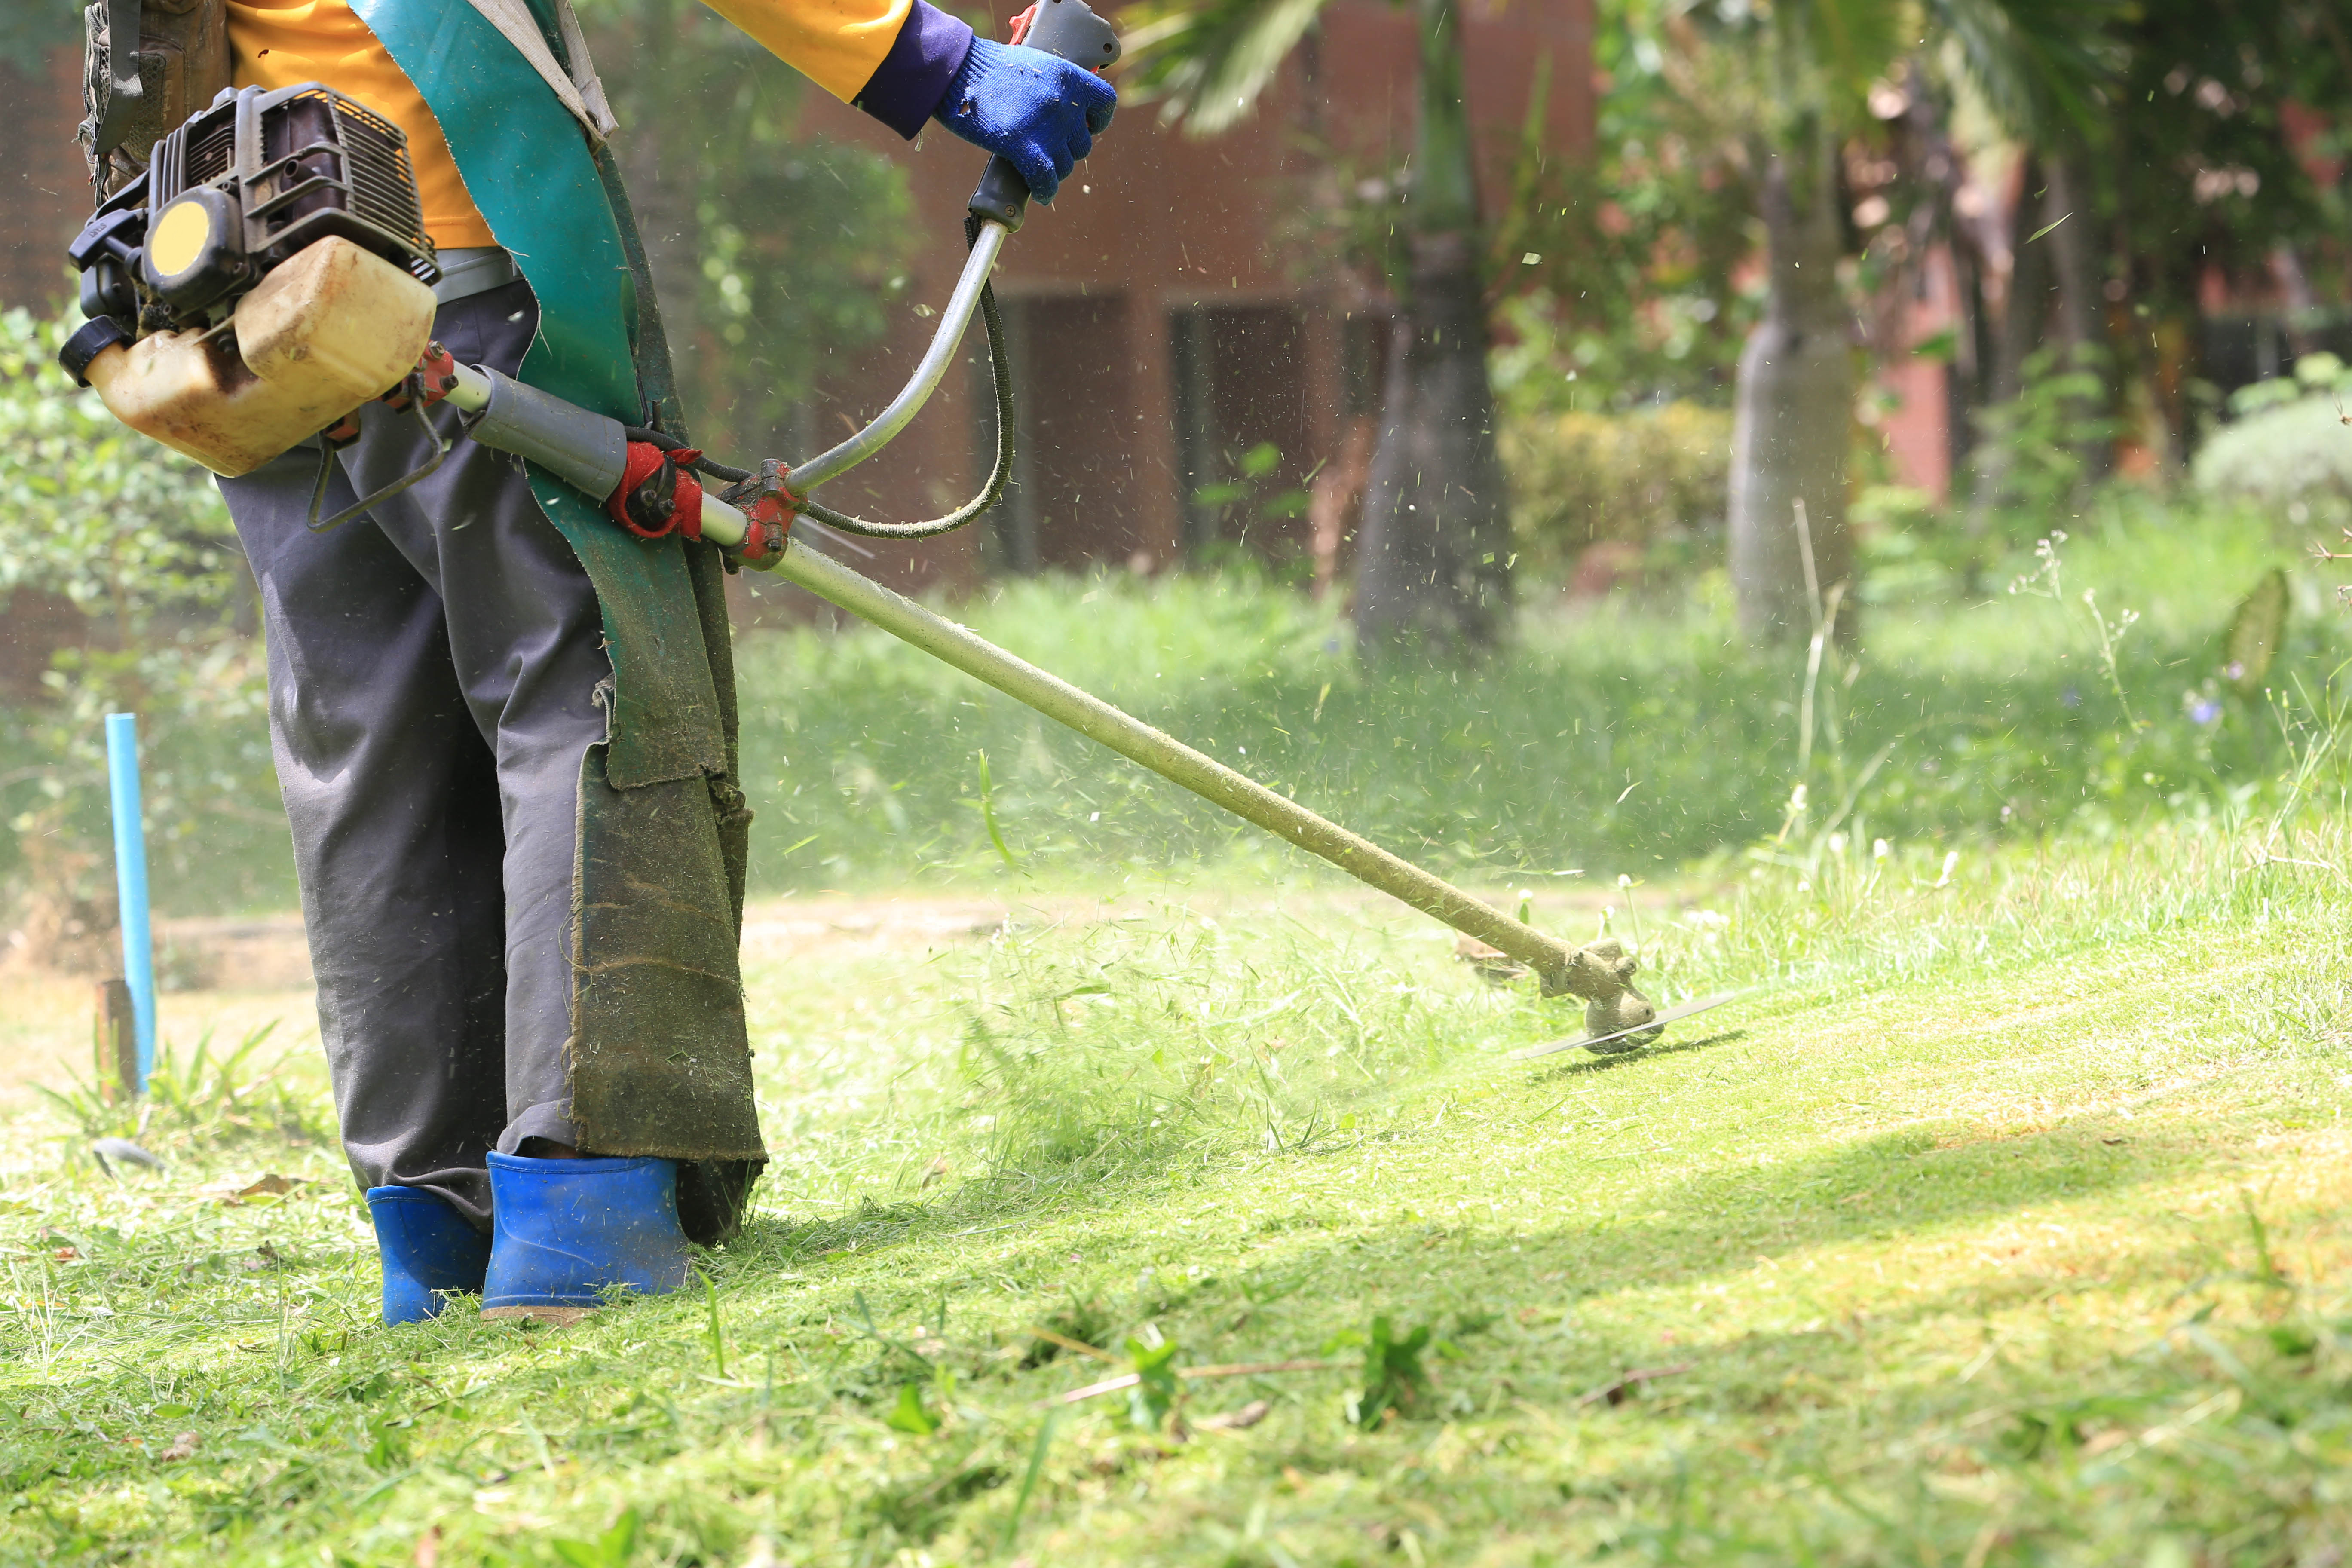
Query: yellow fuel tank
[[328, 328]]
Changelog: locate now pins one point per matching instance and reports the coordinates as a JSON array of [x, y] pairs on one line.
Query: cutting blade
[[1671, 1015]]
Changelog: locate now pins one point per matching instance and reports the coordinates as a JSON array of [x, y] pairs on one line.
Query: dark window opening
[[1069, 501], [1241, 428]]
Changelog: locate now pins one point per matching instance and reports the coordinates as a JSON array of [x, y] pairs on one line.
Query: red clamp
[[658, 494], [768, 504], [434, 378]]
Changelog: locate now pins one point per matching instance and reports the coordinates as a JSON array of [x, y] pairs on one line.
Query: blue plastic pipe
[[131, 884]]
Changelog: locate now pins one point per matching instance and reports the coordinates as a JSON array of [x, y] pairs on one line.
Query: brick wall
[[43, 191]]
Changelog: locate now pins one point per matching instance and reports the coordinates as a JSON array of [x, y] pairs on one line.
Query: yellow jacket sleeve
[[836, 43]]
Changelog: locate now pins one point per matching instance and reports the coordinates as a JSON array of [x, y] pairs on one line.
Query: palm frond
[[1853, 41], [1207, 61], [2037, 63]]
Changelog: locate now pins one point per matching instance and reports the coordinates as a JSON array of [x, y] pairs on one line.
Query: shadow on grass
[[1722, 1221], [1728, 1220]]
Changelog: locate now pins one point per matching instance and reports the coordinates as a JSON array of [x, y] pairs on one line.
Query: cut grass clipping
[[2002, 1227]]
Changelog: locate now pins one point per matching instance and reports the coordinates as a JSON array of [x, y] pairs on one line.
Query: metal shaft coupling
[[769, 507], [1602, 975]]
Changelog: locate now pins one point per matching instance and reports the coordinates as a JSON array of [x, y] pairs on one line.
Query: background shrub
[[135, 539], [2288, 447], [1650, 479]]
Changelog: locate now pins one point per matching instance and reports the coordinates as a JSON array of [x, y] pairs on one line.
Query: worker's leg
[[434, 672], [394, 801], [526, 640]]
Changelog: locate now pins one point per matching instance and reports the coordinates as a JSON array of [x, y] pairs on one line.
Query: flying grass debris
[[1622, 1039]]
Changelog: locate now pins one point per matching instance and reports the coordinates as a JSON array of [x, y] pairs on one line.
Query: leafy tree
[[2219, 122], [1433, 554], [1636, 260]]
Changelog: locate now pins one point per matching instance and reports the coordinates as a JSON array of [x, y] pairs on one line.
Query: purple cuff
[[914, 75]]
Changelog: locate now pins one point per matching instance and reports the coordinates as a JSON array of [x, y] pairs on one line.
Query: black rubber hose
[[670, 443], [1000, 369]]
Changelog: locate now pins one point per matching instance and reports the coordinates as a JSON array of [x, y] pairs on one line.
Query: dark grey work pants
[[434, 675]]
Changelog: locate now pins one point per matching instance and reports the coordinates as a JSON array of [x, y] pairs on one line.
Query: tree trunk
[[2074, 266], [1793, 409], [2025, 304], [1433, 556], [2025, 307]]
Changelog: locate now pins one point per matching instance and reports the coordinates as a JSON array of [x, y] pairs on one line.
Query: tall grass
[[1622, 738], [1631, 736]]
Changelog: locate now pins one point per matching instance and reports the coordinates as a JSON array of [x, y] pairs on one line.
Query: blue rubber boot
[[571, 1233], [427, 1248]]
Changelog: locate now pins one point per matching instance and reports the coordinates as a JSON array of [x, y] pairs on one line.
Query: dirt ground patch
[[231, 976]]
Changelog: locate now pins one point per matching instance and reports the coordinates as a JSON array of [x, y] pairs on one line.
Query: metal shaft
[[1560, 967]]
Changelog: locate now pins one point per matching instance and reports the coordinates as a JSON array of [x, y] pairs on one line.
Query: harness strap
[[113, 119], [578, 87], [147, 65], [665, 410]]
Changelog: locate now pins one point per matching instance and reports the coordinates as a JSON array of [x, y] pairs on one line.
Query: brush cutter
[[651, 483]]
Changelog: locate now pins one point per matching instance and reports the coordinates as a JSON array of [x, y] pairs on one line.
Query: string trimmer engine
[[268, 273]]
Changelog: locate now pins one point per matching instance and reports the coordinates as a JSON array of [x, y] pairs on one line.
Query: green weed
[[200, 1099], [1395, 1380], [615, 1548], [1156, 1391]]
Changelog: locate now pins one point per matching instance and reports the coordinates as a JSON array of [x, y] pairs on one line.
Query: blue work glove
[[1037, 109]]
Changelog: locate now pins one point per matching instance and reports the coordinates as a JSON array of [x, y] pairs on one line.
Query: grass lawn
[[2001, 1224]]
